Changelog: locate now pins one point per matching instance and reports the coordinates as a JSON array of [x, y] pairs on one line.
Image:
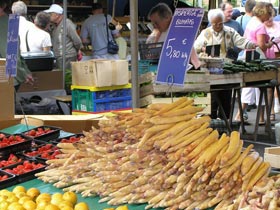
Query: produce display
[[162, 155], [8, 140], [23, 167], [30, 199], [10, 160], [46, 151]]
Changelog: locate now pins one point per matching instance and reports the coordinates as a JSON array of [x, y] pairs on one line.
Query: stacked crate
[[90, 99]]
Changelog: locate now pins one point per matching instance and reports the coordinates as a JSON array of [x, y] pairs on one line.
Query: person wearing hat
[[73, 42], [94, 32]]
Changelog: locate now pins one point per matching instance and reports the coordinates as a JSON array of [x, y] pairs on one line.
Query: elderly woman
[[227, 38], [37, 39], [218, 34]]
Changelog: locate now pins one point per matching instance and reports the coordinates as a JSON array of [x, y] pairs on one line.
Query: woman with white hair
[[227, 38], [218, 34], [20, 8]]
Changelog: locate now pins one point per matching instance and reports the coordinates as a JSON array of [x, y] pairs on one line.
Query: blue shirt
[[243, 21]]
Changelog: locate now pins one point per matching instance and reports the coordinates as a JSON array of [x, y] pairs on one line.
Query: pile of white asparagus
[[162, 155]]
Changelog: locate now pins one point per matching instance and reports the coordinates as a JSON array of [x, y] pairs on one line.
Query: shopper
[[73, 42], [94, 31], [227, 9], [227, 38], [37, 38], [20, 8], [256, 32], [244, 19], [23, 73], [161, 16]]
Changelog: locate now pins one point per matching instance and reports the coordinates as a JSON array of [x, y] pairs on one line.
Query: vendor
[[227, 38], [161, 16]]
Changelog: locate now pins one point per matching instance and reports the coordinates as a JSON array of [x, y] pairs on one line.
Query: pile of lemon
[[32, 199]]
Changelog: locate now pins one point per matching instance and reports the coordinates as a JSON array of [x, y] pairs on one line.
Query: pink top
[[256, 27]]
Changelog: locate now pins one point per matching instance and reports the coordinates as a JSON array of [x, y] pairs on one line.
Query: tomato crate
[[7, 179], [22, 144], [92, 99], [43, 133], [25, 170]]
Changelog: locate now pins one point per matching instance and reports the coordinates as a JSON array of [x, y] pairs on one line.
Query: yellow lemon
[[41, 205], [81, 206], [33, 192], [4, 205], [3, 198], [65, 203], [56, 198], [23, 199], [52, 207], [12, 198], [122, 208], [20, 194], [4, 192], [109, 209], [19, 207], [13, 205], [19, 188], [70, 196], [44, 196], [66, 208], [29, 205]]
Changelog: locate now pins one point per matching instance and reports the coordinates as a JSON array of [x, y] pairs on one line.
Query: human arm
[[200, 42], [85, 35], [73, 35]]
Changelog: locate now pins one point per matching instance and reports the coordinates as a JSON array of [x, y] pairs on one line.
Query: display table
[[49, 188]]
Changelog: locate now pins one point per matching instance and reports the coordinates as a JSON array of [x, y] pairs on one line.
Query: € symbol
[[184, 41]]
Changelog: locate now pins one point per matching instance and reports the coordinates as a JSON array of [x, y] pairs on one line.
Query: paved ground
[[263, 139]]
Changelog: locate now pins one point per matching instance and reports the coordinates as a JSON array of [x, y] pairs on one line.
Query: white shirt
[[37, 39], [24, 26]]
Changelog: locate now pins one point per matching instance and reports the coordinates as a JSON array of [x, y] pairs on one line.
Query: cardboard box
[[100, 73], [7, 108], [8, 123], [68, 123], [272, 155], [44, 80]]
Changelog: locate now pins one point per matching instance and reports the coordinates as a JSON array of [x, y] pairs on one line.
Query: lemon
[[52, 207], [4, 205], [56, 198], [65, 203], [70, 196], [19, 188], [41, 205], [44, 196], [66, 208], [122, 208], [33, 192], [81, 206], [4, 192], [23, 199], [12, 198], [20, 194], [29, 205]]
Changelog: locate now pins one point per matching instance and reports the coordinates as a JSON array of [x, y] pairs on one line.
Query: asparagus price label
[[12, 46], [176, 50]]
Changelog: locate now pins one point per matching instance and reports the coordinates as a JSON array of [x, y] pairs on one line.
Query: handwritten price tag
[[12, 46], [176, 51]]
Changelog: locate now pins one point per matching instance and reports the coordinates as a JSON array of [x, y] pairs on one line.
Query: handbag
[[112, 46]]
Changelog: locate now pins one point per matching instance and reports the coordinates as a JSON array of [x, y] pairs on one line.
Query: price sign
[[176, 51], [12, 46]]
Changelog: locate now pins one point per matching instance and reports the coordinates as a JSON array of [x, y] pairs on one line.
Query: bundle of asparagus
[[162, 155]]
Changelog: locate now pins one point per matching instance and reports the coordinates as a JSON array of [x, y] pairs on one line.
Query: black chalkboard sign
[[176, 51], [12, 46]]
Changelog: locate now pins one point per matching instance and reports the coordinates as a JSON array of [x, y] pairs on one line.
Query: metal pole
[[64, 39], [134, 53]]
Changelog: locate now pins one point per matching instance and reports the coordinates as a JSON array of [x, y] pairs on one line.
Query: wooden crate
[[272, 155], [258, 76]]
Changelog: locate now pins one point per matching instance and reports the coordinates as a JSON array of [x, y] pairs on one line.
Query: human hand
[[79, 55], [251, 45], [29, 79]]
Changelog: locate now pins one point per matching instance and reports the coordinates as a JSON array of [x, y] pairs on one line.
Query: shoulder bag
[[112, 46]]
